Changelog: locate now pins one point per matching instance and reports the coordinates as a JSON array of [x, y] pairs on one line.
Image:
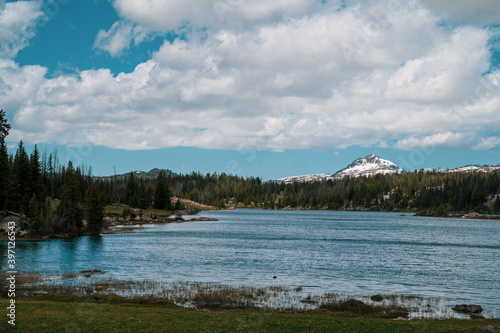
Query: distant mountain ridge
[[153, 173], [372, 165], [307, 178], [474, 168], [365, 166]]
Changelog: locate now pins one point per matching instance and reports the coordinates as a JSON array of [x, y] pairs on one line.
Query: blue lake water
[[340, 252]]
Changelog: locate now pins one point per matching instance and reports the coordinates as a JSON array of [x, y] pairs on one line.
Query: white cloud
[[488, 143], [223, 86], [18, 84], [162, 15], [119, 37], [191, 17], [444, 73], [17, 26], [440, 141], [480, 12], [269, 76]]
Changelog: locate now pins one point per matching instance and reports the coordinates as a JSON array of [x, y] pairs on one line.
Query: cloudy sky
[[262, 88]]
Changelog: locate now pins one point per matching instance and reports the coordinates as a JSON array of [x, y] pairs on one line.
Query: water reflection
[[346, 252]]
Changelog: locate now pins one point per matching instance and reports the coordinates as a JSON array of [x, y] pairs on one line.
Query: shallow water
[[360, 253]]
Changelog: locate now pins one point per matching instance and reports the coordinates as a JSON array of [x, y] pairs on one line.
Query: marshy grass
[[83, 286], [361, 308]]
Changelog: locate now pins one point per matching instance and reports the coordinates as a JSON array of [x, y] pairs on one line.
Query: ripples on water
[[341, 252]]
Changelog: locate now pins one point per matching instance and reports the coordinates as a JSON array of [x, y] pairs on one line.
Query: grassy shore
[[89, 301], [61, 313]]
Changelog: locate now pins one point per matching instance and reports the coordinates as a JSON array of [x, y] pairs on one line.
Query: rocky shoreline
[[129, 226], [113, 225]]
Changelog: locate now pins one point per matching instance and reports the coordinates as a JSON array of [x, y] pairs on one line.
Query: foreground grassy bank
[[89, 301], [61, 313]]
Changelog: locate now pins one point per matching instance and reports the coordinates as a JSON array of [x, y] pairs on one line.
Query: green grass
[[114, 210], [92, 305], [117, 210], [59, 314]]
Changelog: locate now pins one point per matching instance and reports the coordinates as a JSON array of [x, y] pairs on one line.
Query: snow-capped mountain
[[474, 168], [372, 165], [368, 166], [306, 178]]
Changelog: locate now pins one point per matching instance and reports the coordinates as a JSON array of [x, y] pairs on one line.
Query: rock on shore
[[468, 308]]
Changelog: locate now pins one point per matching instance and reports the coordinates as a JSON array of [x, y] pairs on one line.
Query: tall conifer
[[162, 194], [19, 180], [94, 210], [4, 174], [70, 211]]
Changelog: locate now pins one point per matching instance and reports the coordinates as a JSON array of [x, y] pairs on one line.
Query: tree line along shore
[[63, 199], [52, 198]]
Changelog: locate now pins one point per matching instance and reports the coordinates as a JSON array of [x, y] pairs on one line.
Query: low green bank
[[59, 313]]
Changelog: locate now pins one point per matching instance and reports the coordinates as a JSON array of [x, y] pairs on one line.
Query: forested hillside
[[426, 192], [62, 199]]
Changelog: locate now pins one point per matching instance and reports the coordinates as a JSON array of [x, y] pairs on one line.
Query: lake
[[323, 251]]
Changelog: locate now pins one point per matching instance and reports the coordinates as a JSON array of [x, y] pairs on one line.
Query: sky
[[254, 88]]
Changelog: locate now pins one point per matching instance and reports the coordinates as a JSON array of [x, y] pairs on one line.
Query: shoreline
[[58, 313], [402, 212], [96, 284], [129, 226], [126, 227]]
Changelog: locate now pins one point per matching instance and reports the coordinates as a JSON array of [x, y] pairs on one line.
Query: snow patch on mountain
[[474, 168], [306, 178], [367, 166], [370, 165]]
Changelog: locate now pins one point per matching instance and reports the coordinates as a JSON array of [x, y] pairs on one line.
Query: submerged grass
[[97, 303], [360, 308], [204, 296]]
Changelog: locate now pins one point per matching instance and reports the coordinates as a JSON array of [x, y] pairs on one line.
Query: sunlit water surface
[[340, 252]]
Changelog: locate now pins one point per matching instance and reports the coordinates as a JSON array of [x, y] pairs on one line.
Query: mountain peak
[[368, 166]]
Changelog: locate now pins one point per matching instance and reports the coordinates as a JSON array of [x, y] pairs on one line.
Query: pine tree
[[4, 126], [179, 205], [94, 209], [70, 211], [497, 204], [34, 214], [19, 180], [48, 222], [36, 184], [162, 194], [131, 194], [142, 196], [4, 174]]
